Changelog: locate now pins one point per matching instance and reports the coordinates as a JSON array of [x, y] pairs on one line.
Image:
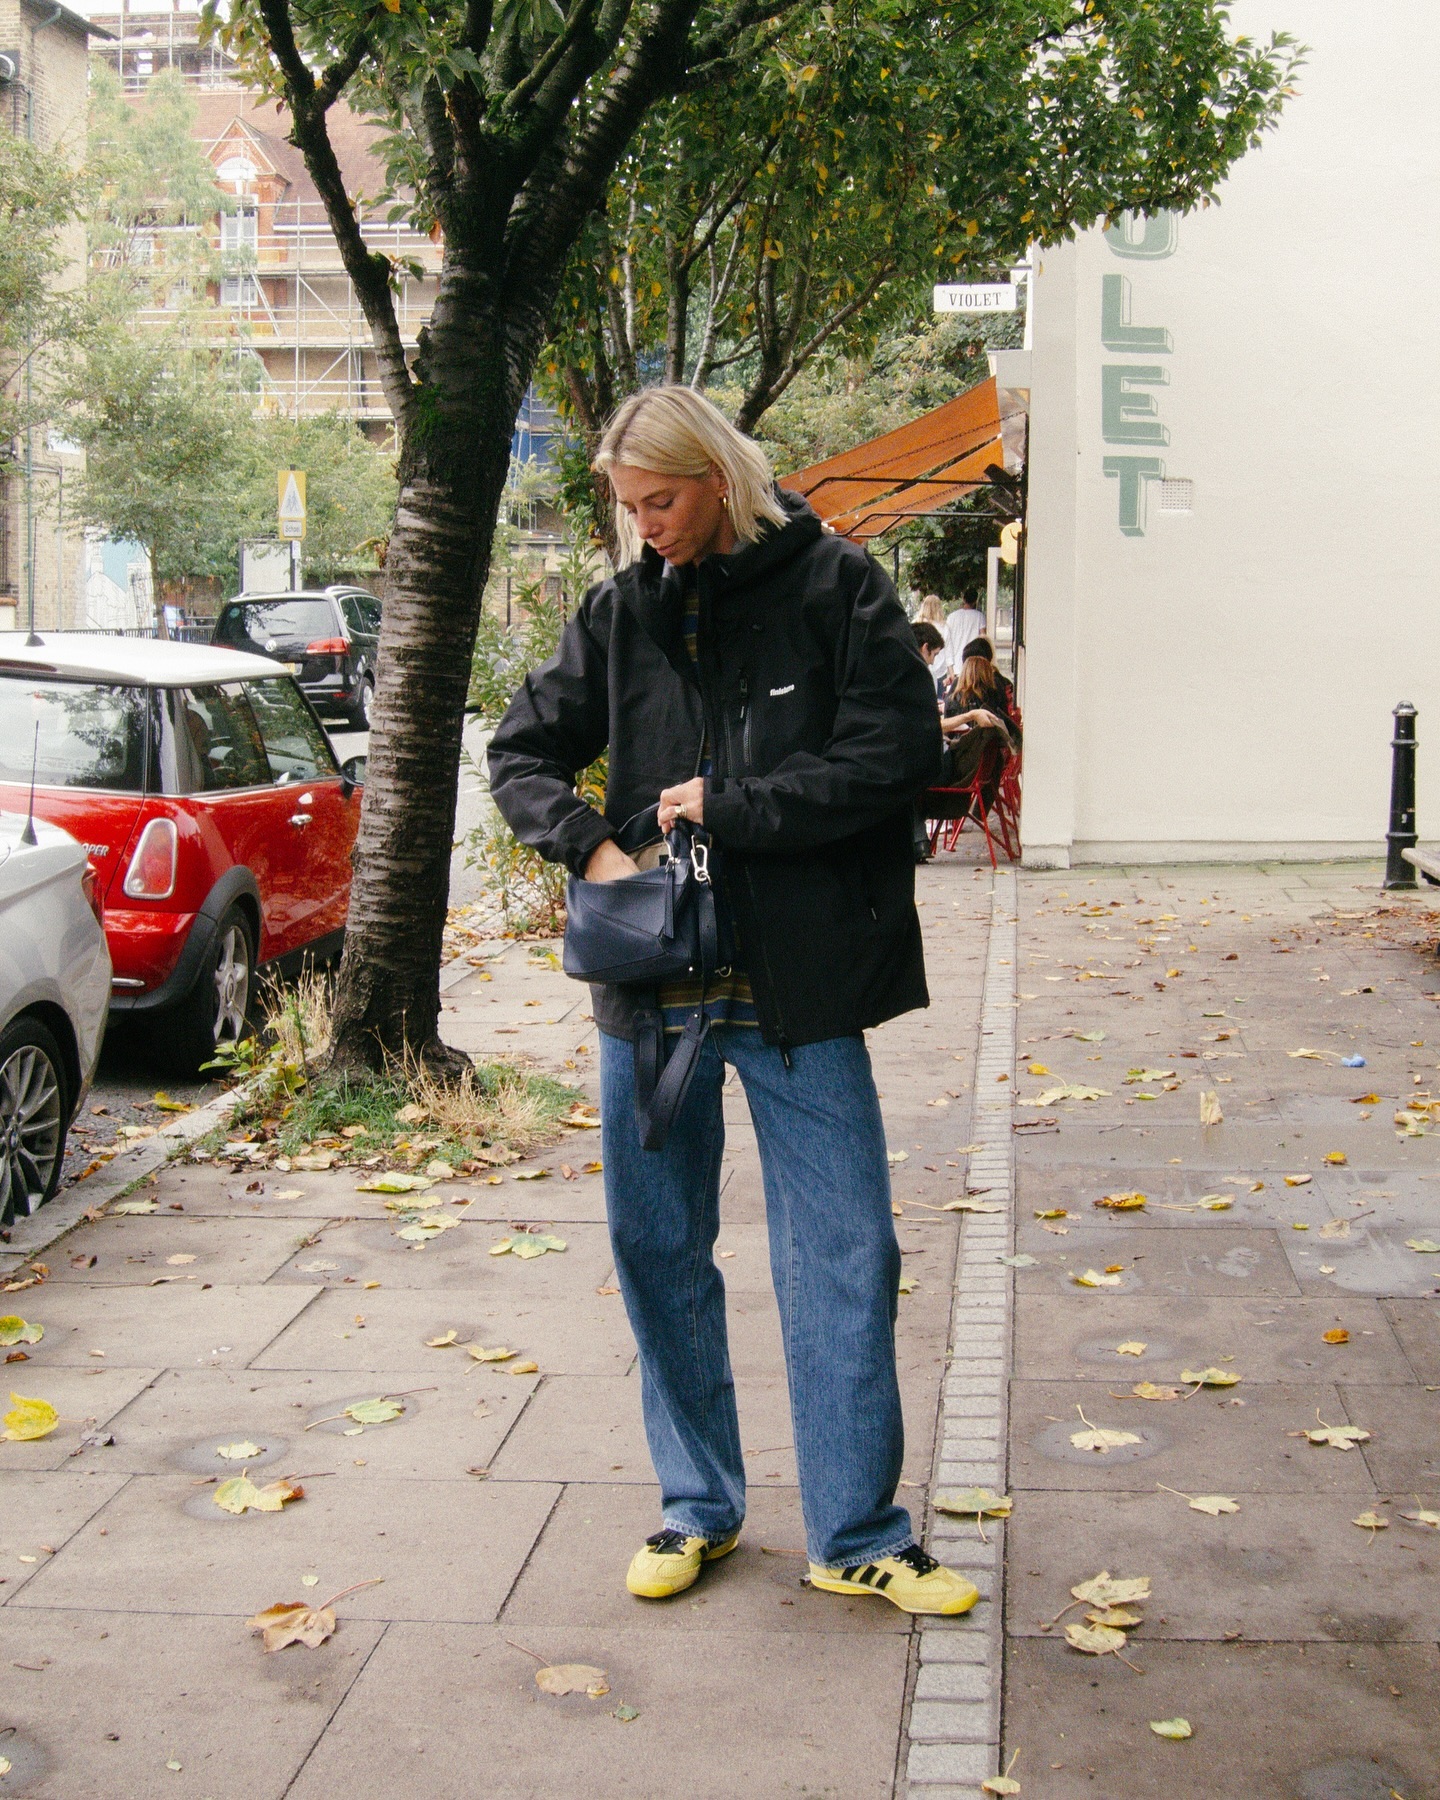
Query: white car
[[54, 999]]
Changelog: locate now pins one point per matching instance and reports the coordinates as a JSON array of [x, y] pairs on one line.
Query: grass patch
[[494, 1114]]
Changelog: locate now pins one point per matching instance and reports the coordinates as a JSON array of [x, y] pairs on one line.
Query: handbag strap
[[662, 1080]]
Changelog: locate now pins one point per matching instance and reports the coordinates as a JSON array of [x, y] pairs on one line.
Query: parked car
[[328, 640], [54, 994], [211, 803]]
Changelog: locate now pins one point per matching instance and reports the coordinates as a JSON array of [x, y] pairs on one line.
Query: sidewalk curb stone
[[953, 1725]]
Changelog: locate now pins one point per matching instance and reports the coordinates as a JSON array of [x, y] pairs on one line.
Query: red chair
[[947, 809]]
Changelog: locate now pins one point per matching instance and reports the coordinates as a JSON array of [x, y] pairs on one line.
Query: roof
[[914, 470], [267, 124], [147, 662], [62, 15]]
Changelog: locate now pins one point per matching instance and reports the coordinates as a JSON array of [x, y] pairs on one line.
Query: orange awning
[[920, 467]]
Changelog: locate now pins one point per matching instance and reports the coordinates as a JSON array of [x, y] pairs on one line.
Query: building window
[[8, 574], [1177, 496], [239, 246]]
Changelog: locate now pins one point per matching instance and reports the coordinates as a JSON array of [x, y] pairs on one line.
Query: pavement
[[498, 1511]]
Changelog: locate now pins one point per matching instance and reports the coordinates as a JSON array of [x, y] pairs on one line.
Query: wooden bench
[[1427, 862]]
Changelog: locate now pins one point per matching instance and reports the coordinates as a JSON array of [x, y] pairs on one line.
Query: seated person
[[978, 718]]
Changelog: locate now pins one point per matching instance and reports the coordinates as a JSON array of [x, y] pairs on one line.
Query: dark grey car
[[329, 639]]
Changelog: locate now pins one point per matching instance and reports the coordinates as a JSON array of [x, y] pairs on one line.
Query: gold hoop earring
[[725, 501]]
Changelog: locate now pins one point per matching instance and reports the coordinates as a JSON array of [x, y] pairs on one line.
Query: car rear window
[[77, 734], [274, 627]]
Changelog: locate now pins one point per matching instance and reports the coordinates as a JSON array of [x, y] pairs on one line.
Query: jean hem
[[908, 1542], [710, 1537]]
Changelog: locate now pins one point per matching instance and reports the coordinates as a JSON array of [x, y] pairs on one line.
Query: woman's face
[[682, 517]]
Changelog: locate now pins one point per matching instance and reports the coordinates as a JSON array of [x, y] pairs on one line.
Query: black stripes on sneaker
[[667, 1542]]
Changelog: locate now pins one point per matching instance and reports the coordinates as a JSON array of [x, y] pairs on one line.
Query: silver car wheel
[[232, 985], [30, 1129], [367, 701]]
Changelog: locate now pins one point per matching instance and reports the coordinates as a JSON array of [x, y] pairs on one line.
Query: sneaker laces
[[667, 1542], [917, 1559]]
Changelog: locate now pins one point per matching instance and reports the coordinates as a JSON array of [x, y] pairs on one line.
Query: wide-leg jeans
[[836, 1269]]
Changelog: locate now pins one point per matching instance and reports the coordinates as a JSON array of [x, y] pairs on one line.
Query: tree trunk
[[452, 477]]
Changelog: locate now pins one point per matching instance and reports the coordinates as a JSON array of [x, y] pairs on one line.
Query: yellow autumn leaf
[[1337, 1157], [29, 1419], [1210, 1377], [1371, 1521], [1094, 1640], [1297, 1180], [1172, 1728], [974, 1500], [1127, 1202], [1107, 1590], [1338, 1336], [1092, 1278], [1150, 1390], [1210, 1112], [573, 1678], [1038, 1069], [1132, 1347], [1103, 1440]]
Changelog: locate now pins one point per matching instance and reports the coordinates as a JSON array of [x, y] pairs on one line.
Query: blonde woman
[[755, 676]]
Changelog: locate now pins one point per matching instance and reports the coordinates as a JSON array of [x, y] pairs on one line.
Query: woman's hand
[[608, 862], [684, 802]]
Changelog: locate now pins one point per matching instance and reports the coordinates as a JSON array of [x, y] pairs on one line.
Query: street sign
[[291, 483], [976, 297]]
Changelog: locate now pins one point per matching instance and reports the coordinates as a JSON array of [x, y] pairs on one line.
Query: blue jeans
[[836, 1269]]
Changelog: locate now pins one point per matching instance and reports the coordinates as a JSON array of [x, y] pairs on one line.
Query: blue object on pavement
[[1352, 1062]]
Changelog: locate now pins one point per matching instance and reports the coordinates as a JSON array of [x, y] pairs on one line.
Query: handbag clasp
[[700, 860]]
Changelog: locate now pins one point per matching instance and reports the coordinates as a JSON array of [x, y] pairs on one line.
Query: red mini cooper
[[216, 816]]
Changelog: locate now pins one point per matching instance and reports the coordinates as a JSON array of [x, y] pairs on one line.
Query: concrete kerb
[[40, 1230], [953, 1727]]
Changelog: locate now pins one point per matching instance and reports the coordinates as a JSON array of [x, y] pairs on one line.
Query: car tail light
[[90, 887], [327, 647], [151, 875]]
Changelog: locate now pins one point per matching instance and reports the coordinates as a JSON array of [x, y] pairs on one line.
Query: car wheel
[[364, 701], [215, 1014], [34, 1112]]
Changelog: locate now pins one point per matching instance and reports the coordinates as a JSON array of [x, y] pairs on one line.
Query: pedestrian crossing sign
[[291, 484]]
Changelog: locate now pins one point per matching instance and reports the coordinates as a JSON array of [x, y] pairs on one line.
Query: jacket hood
[[776, 545]]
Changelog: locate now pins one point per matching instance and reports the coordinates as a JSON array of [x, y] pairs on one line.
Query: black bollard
[[1401, 835]]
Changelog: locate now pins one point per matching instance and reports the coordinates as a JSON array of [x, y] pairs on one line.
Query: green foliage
[[875, 148], [349, 492], [41, 198]]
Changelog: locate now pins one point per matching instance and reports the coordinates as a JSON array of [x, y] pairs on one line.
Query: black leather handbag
[[659, 925]]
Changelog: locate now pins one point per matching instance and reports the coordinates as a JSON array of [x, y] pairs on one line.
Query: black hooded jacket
[[822, 727]]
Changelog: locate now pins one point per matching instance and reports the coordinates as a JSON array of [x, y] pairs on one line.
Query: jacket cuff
[[584, 838], [724, 808]]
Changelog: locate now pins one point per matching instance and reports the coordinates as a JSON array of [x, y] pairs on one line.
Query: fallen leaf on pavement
[[498, 1354], [240, 1494], [163, 1103], [1133, 1348], [1023, 1261], [15, 1330], [241, 1452], [374, 1412], [1134, 1075], [1150, 1390], [1210, 1377], [1217, 1202], [897, 1156], [1105, 1590], [1094, 1640], [1297, 1180], [527, 1244], [1310, 1055], [1089, 1037], [572, 1678], [1093, 1278], [1038, 1069], [1053, 1212], [532, 1174], [1424, 1517], [1067, 1090], [411, 1203], [524, 1368], [1117, 1616], [29, 1419], [975, 1500], [293, 1622], [423, 1230], [1210, 1113], [1337, 1437], [1102, 1439], [395, 1184], [1371, 1521], [1120, 1202], [1338, 1336], [1172, 1728], [1336, 1157], [974, 1206], [625, 1713], [129, 1207], [1426, 1246], [907, 1284], [442, 1343], [1334, 1228]]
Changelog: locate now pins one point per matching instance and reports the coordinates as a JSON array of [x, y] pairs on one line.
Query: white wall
[[1222, 684]]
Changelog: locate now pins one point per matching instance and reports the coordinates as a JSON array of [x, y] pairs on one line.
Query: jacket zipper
[[745, 719]]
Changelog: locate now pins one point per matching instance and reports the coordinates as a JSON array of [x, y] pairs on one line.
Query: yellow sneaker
[[669, 1562], [913, 1581]]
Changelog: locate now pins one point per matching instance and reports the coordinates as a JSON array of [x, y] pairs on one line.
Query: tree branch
[[337, 76], [369, 271]]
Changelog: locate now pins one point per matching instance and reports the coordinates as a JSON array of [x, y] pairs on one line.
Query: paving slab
[[40, 1512], [454, 1423], [372, 1250], [180, 1325], [576, 1573], [1416, 1324], [1308, 1721], [131, 1251], [765, 1715], [1272, 1340], [584, 1333], [1249, 1574], [162, 1545], [109, 1703], [82, 1396], [1161, 1260]]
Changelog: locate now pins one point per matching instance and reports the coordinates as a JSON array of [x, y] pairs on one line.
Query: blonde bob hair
[[675, 431]]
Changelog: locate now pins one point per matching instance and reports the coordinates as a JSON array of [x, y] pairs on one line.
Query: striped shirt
[[727, 998]]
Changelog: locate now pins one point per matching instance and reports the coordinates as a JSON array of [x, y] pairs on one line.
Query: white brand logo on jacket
[[785, 690]]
